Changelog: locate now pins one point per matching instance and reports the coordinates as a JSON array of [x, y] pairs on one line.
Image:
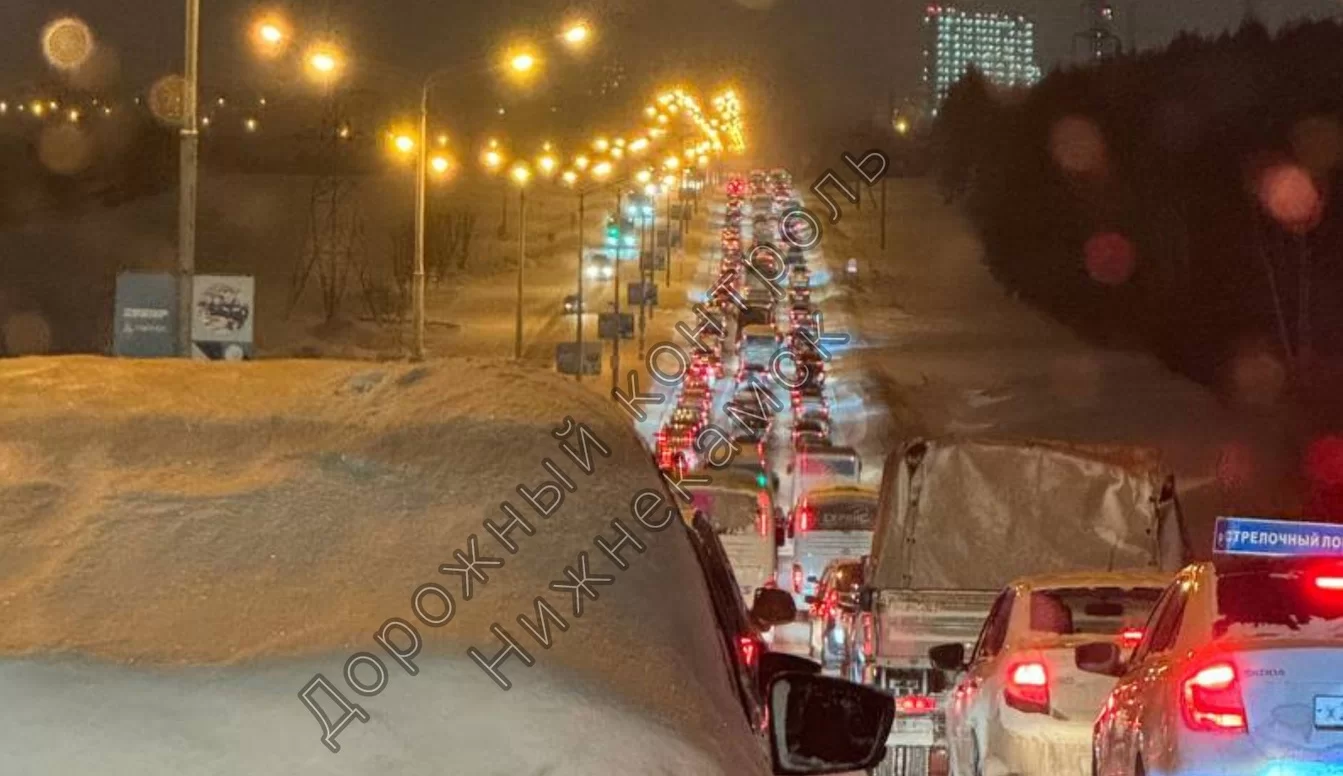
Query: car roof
[[1127, 578], [201, 514]]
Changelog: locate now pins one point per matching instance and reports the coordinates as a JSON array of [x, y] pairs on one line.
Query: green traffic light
[[761, 480]]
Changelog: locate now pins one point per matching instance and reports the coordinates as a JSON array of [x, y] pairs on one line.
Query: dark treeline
[[1182, 200]]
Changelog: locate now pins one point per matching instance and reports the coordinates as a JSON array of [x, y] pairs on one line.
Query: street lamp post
[[421, 215], [522, 261], [582, 359], [615, 351], [186, 202]]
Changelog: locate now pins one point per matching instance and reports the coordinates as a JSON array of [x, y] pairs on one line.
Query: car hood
[[79, 717]]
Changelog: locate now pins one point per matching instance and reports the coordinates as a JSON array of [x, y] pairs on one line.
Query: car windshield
[[843, 514], [1268, 603], [1097, 611], [848, 577]]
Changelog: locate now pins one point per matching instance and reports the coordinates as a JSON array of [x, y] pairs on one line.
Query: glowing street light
[[577, 34], [601, 144], [569, 177], [404, 143], [520, 174], [617, 153], [522, 62], [671, 163], [651, 190], [493, 159], [601, 170], [440, 164], [638, 145], [547, 164], [442, 141], [251, 125], [324, 61], [643, 176], [581, 163], [650, 111]]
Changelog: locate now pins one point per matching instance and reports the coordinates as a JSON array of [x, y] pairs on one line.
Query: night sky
[[817, 57]]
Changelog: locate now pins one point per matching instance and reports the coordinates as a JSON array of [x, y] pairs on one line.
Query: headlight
[[592, 272]]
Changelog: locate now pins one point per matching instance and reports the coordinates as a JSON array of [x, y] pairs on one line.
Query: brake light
[[797, 578], [1211, 700], [1028, 688], [1333, 584], [806, 518], [1130, 637], [749, 650], [915, 705]]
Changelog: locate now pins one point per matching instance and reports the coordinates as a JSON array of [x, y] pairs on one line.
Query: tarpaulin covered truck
[[958, 519]]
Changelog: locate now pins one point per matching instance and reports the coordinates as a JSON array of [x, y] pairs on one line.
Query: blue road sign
[[1279, 538]]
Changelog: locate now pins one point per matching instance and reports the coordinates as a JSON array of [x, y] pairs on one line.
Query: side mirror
[[820, 725], [773, 606], [1099, 657], [772, 664], [948, 657]]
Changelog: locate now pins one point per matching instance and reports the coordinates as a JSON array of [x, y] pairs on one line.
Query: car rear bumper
[[1036, 745], [1238, 756]]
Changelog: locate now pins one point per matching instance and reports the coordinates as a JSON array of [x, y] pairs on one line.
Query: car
[[753, 371], [1021, 704], [806, 394], [810, 438], [832, 608], [811, 407], [812, 425], [1239, 671], [230, 614], [572, 304]]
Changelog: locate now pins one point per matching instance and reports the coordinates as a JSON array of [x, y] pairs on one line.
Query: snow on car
[[193, 553], [1241, 669], [1021, 704]]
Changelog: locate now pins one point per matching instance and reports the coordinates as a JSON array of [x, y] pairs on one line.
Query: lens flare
[[67, 43]]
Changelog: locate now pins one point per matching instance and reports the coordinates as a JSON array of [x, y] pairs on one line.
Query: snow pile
[[184, 514]]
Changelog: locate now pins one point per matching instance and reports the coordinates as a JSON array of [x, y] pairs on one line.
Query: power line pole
[[188, 181]]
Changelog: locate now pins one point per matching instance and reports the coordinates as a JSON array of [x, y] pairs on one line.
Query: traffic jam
[[1032, 608]]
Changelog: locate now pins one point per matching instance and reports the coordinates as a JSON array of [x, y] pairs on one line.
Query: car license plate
[[1329, 712]]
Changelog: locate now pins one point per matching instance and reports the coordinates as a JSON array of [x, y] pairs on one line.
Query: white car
[[1021, 705], [1240, 674]]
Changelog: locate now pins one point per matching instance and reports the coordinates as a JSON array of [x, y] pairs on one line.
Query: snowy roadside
[[947, 351]]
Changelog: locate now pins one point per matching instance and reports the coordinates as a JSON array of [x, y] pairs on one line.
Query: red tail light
[[1332, 584], [915, 705], [1028, 688], [1211, 700], [869, 635], [806, 518], [748, 648], [1130, 637]]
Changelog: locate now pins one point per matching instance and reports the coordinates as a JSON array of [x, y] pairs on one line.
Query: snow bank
[[232, 515]]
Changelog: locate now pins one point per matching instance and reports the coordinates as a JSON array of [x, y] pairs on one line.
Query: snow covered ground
[[186, 544], [941, 348]]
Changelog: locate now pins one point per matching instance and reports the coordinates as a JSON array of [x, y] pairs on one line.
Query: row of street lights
[[324, 62]]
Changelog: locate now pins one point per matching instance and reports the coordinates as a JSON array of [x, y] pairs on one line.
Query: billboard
[[223, 313], [145, 319]]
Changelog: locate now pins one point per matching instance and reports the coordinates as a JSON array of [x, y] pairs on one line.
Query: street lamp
[[520, 62], [577, 34], [520, 175], [324, 61]]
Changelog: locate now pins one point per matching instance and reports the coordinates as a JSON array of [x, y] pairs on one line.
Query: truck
[[957, 520]]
